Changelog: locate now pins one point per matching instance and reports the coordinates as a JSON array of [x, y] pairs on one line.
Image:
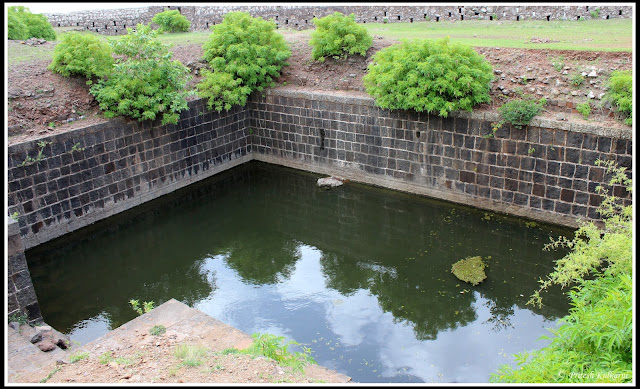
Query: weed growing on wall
[[37, 25], [584, 109], [621, 93], [145, 82], [337, 36], [146, 306], [426, 75], [519, 112], [82, 54], [171, 21], [594, 341], [246, 54]]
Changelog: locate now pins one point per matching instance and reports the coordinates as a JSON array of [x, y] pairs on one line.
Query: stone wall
[[88, 174], [544, 171], [21, 297], [115, 21]]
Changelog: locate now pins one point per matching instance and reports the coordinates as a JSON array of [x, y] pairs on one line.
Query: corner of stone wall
[[21, 296]]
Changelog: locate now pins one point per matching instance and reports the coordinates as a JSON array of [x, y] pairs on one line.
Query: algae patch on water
[[470, 269]]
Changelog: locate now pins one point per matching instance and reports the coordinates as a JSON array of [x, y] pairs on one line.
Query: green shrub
[[621, 93], [38, 25], [145, 82], [16, 29], [576, 79], [519, 112], [337, 36], [171, 21], [426, 75], [246, 55], [584, 109], [82, 54], [594, 341]]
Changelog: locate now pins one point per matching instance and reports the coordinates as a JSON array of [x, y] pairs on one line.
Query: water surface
[[361, 275]]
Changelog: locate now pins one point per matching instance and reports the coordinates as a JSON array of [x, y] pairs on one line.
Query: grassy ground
[[594, 35]]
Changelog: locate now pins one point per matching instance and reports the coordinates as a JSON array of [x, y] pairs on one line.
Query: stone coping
[[345, 98]]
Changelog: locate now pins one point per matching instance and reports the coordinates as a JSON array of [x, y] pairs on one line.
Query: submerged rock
[[330, 182], [470, 269]]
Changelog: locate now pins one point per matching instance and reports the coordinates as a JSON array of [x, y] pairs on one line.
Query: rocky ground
[[42, 103]]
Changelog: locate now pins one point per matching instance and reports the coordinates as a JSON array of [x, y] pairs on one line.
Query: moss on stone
[[470, 269]]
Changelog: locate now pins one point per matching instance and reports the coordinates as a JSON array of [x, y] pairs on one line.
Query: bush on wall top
[[171, 21], [145, 82], [621, 93], [38, 25], [337, 36], [426, 75], [82, 54], [245, 54]]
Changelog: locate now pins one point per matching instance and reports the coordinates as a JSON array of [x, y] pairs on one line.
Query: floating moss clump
[[470, 269]]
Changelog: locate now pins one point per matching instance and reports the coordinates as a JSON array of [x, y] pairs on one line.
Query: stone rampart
[[544, 171], [116, 21]]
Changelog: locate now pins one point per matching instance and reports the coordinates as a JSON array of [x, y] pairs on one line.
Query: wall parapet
[[299, 17]]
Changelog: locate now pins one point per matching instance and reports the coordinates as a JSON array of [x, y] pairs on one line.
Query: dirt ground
[[42, 103]]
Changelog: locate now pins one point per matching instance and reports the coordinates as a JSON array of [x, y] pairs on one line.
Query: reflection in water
[[361, 275]]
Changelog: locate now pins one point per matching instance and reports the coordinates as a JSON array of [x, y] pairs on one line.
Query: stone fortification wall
[[544, 171], [89, 174], [115, 21]]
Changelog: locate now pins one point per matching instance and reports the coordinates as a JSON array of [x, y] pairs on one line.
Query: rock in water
[[329, 182]]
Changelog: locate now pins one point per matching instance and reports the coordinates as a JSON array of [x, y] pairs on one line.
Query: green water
[[361, 275]]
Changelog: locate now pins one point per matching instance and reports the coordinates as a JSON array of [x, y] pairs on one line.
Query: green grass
[[593, 35]]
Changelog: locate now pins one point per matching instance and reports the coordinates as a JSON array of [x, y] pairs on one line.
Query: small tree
[[82, 54], [171, 21], [425, 75], [38, 25], [337, 36], [144, 82], [246, 54], [16, 29]]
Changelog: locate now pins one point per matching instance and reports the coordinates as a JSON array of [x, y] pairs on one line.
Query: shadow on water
[[359, 274]]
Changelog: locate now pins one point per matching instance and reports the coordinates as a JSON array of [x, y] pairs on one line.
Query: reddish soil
[[42, 103]]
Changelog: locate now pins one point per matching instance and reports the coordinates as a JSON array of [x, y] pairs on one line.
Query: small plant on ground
[[470, 269], [274, 347], [75, 357], [82, 54], [584, 109], [246, 54], [37, 25], [105, 358], [15, 216], [576, 79], [146, 306], [145, 83], [20, 318], [620, 93], [558, 63], [191, 355], [54, 371], [594, 343], [337, 36], [519, 112], [171, 21], [426, 75], [158, 330]]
